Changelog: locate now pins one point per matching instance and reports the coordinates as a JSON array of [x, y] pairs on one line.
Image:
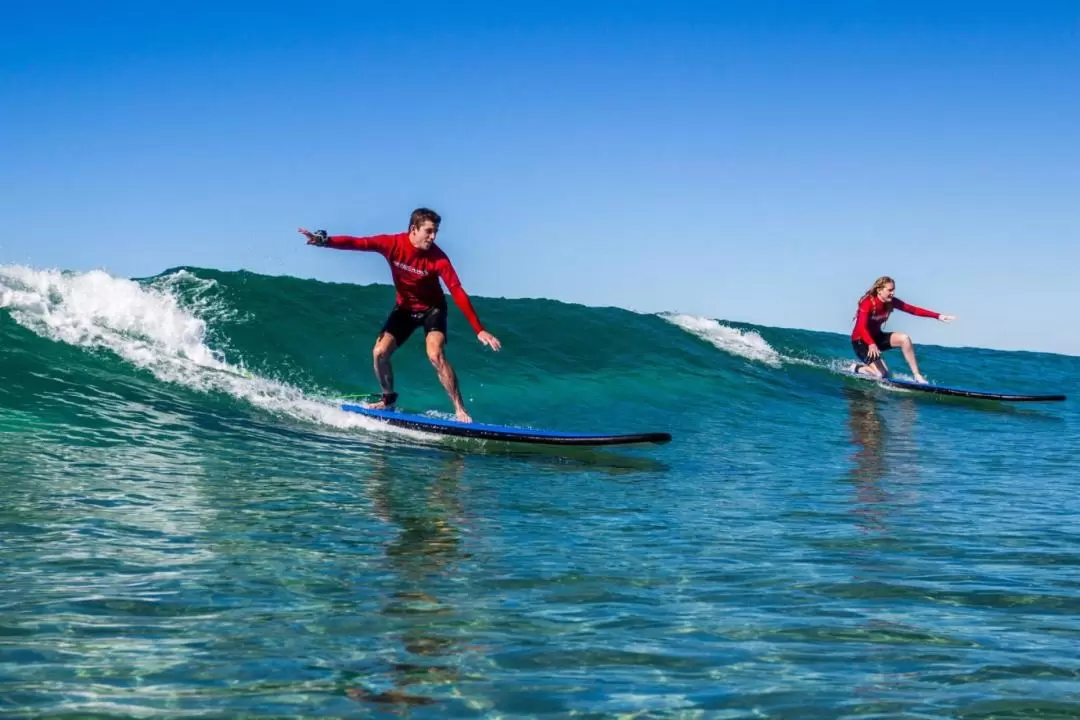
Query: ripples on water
[[212, 567]]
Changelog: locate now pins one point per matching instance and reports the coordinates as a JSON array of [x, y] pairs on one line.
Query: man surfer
[[869, 340], [416, 265]]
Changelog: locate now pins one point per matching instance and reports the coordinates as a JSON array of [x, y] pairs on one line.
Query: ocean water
[[191, 526]]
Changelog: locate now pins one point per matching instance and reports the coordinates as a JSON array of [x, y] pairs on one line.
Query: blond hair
[[878, 284]]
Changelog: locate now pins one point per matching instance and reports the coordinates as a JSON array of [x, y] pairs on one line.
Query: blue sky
[[750, 160]]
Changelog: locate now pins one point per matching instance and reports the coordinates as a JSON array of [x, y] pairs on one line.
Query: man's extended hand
[[314, 238], [488, 339]]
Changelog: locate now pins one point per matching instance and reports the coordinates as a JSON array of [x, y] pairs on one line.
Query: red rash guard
[[873, 313], [416, 272]]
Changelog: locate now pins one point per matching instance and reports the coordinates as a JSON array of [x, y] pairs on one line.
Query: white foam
[[750, 345], [743, 343], [148, 327]]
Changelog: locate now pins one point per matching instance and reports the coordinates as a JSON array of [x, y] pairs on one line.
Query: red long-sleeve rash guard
[[416, 273], [873, 313]]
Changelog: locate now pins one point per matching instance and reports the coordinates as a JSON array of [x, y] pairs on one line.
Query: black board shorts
[[882, 340], [401, 322]]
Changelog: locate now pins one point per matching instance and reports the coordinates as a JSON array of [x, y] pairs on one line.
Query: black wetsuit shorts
[[401, 322], [882, 340]]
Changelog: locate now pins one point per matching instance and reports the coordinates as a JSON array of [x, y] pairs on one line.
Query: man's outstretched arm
[[377, 243]]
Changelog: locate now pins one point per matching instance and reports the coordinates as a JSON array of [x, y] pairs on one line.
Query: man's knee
[[435, 343], [902, 340], [436, 356], [384, 347]]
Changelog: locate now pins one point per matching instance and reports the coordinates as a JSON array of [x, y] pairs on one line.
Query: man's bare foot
[[385, 403], [462, 416], [920, 379]]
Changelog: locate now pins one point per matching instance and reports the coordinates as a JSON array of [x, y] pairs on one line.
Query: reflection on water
[[868, 469], [885, 453], [423, 559], [875, 444]]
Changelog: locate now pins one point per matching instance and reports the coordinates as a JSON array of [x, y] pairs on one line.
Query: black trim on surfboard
[[958, 392], [506, 433]]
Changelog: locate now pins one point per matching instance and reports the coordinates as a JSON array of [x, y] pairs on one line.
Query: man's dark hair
[[421, 215]]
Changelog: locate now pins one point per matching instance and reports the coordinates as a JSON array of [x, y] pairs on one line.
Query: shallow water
[[182, 540]]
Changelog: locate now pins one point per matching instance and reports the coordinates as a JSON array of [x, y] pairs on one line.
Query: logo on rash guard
[[407, 268]]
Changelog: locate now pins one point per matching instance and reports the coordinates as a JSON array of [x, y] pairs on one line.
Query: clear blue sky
[[748, 160]]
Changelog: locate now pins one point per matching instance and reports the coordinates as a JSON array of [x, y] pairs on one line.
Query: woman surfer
[[869, 340]]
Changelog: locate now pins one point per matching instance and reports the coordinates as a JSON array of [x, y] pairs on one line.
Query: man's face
[[423, 235]]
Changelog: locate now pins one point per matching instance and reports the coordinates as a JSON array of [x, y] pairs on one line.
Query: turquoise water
[[192, 527]]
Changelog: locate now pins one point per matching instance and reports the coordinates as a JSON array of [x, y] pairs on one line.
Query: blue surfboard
[[934, 389], [507, 433]]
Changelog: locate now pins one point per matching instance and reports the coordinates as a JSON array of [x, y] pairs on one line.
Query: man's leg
[[384, 371], [436, 352], [395, 331], [902, 341]]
